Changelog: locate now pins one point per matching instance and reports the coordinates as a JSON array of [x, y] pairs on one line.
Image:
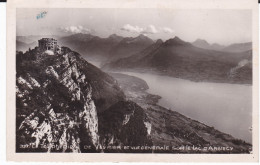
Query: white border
[[173, 4]]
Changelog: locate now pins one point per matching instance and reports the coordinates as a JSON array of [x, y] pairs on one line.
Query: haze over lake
[[227, 107], [161, 79]]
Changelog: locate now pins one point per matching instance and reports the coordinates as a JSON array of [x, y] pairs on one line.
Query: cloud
[[133, 29], [75, 29], [151, 29], [136, 29], [167, 30]]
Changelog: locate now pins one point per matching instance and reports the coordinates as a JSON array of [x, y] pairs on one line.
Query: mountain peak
[[176, 38], [114, 36], [159, 41], [175, 41], [142, 37], [201, 42], [80, 36]]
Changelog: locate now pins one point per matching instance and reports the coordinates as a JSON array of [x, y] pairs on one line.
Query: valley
[[171, 128], [221, 105], [133, 91]]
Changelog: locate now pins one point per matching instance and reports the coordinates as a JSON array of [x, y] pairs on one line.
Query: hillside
[[105, 49], [91, 46], [129, 46], [61, 98], [200, 43], [181, 59], [65, 104], [22, 46], [170, 128], [238, 47]]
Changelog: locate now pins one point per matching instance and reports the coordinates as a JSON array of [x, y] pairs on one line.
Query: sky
[[223, 26]]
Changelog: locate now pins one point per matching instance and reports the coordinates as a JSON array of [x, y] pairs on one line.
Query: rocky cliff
[[125, 123], [63, 102]]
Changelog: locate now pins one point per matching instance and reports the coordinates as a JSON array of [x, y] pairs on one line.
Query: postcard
[[132, 81]]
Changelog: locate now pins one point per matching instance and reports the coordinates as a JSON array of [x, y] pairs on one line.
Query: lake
[[227, 107]]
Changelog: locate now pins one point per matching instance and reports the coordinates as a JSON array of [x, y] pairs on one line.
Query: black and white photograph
[[134, 80]]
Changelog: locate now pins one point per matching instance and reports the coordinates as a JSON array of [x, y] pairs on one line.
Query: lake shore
[[174, 129], [182, 75], [221, 105]]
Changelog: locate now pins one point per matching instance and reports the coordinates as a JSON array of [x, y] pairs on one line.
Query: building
[[49, 44]]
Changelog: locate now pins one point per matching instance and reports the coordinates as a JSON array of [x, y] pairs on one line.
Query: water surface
[[227, 107]]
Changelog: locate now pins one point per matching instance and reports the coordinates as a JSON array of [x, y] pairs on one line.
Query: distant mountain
[[178, 58], [200, 43], [238, 47], [105, 49], [26, 39], [34, 38], [216, 46], [91, 46], [23, 43], [129, 61], [115, 37], [21, 46], [80, 37], [66, 104], [76, 42], [129, 46]]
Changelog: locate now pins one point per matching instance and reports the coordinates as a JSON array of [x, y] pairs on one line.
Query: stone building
[[49, 44]]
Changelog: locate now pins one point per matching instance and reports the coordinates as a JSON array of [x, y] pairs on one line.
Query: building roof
[[47, 39]]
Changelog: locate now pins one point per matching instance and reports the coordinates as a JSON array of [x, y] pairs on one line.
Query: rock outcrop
[[59, 101], [124, 123], [65, 104]]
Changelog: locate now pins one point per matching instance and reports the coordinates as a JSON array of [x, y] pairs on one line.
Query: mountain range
[[236, 47], [197, 61], [106, 49], [66, 104], [91, 45], [178, 58], [23, 43], [204, 44]]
